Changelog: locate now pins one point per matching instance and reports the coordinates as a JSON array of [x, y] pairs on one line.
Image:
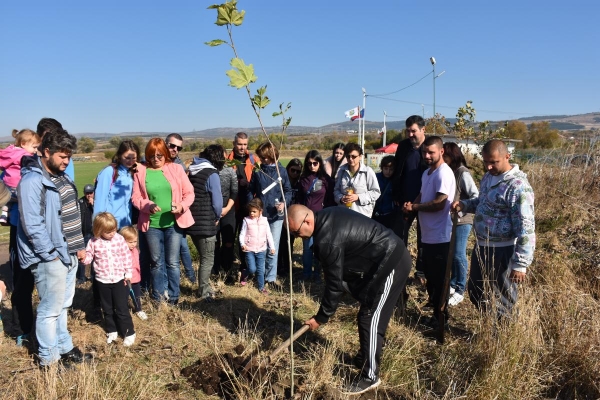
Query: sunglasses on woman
[[313, 163]]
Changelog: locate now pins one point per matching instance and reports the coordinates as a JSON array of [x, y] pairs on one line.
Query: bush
[[109, 154]]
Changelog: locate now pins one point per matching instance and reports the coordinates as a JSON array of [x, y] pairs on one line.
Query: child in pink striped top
[[111, 260]]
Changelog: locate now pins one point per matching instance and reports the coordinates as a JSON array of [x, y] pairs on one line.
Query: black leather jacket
[[354, 252]]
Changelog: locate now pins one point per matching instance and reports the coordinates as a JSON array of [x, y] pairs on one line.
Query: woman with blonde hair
[[163, 194]]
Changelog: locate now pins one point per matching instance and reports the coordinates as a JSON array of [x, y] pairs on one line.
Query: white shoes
[[455, 299], [111, 337], [129, 340], [452, 290], [141, 315]]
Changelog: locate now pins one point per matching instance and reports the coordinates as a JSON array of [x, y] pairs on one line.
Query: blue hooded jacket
[[261, 180]]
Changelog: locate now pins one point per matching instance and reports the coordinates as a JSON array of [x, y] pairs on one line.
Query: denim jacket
[[40, 234]]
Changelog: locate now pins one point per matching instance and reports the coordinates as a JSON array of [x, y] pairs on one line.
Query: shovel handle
[[285, 344]]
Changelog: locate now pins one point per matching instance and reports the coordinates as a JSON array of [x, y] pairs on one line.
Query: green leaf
[[260, 100], [223, 15], [233, 163], [216, 42], [237, 17], [241, 75], [287, 122]]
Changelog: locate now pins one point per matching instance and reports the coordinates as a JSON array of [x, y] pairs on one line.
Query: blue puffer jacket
[[261, 180], [40, 236]]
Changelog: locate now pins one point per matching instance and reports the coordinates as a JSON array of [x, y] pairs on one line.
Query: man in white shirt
[[433, 203]]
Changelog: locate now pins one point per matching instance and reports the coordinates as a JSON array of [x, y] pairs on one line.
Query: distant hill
[[560, 122]]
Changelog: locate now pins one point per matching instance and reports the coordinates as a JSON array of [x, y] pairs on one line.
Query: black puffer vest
[[201, 208]]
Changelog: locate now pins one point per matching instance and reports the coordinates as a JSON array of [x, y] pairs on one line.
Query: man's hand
[[517, 277], [407, 208], [313, 324], [81, 255], [456, 206]]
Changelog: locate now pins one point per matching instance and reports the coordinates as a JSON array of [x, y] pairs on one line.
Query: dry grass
[[551, 349]]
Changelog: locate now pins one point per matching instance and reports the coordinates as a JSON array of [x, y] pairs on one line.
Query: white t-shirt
[[436, 227]]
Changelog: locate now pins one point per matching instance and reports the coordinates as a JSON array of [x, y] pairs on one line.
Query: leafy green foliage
[[86, 145], [216, 42], [241, 75], [260, 100], [228, 14]]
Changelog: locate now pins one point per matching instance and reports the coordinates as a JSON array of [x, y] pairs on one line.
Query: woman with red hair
[[163, 194]]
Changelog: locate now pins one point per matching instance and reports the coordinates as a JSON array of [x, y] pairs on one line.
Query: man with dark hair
[[406, 181], [246, 161], [505, 229], [361, 257], [47, 125], [433, 205], [174, 143], [50, 242]]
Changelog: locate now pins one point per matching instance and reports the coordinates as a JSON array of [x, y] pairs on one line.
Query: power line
[[399, 90], [452, 107]]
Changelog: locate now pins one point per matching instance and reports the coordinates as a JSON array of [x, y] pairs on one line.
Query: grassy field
[[549, 350]]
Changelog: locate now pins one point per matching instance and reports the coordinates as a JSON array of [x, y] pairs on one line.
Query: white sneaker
[[129, 340], [141, 315], [111, 337], [452, 290], [455, 299]]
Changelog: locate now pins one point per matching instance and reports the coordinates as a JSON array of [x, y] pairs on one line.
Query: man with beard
[[50, 242], [505, 228], [406, 181], [433, 203]]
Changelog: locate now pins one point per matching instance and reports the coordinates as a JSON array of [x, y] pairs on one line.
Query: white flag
[[351, 113]]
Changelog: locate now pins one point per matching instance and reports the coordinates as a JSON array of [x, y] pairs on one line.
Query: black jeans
[[23, 284], [117, 318], [435, 258], [225, 242], [402, 224]]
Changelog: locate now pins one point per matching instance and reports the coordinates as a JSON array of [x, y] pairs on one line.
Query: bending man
[[365, 259]]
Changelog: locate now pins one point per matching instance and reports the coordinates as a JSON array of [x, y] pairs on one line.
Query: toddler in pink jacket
[[26, 144], [130, 234], [255, 235]]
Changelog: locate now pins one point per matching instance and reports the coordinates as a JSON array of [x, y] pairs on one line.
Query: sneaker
[[452, 290], [264, 291], [129, 340], [111, 337], [433, 323], [141, 315], [360, 385], [243, 283], [75, 356], [22, 340], [455, 299]]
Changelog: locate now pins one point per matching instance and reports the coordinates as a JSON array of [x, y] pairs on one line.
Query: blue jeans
[[256, 266], [186, 260], [307, 260], [164, 245], [271, 263], [460, 264], [55, 283]]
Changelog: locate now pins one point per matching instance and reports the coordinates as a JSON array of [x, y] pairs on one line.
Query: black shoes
[[75, 356], [360, 385]]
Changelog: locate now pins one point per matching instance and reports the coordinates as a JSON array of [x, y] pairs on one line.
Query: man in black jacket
[[361, 257], [406, 181]]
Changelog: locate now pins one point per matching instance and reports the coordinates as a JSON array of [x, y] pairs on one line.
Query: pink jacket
[[256, 234], [182, 192], [136, 276], [112, 258], [10, 162]]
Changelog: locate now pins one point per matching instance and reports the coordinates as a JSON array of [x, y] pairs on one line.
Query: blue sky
[[129, 66]]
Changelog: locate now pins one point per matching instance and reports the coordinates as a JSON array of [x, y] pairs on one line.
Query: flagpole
[[362, 145], [384, 129]]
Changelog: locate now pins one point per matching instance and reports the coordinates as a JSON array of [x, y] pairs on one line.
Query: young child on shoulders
[[26, 144], [130, 234], [113, 267], [255, 235]]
